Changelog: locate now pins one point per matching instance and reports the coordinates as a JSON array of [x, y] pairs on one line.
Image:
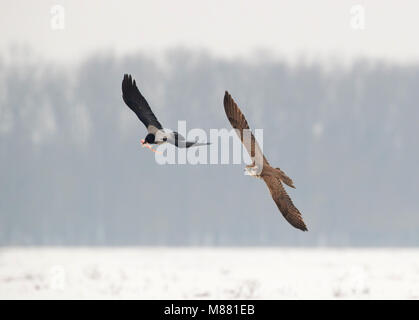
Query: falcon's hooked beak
[[148, 146]]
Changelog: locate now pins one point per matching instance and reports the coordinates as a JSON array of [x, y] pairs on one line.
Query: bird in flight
[[156, 133], [273, 177]]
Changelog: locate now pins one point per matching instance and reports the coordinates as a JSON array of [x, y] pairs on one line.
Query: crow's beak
[[146, 145]]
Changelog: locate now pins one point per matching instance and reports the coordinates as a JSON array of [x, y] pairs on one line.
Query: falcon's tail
[[284, 178]]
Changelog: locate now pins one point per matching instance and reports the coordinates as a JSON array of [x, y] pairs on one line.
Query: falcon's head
[[252, 170]]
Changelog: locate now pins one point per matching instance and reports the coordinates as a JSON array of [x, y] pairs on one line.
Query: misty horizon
[[73, 171]]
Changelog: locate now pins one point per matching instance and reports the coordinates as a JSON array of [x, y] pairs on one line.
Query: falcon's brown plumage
[[271, 176]]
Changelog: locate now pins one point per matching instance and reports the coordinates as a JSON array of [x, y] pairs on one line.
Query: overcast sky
[[289, 29]]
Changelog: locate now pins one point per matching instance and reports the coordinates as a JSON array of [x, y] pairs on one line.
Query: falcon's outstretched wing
[[137, 103], [284, 202], [239, 122]]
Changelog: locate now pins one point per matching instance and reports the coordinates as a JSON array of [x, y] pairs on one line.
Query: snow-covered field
[[208, 273]]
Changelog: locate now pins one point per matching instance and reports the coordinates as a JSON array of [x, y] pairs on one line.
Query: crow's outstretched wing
[[137, 103]]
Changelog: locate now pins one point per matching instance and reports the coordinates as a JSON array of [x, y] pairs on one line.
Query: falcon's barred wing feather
[[137, 103], [239, 122], [284, 203]]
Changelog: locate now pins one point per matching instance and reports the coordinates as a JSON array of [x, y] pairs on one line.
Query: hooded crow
[[156, 134]]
